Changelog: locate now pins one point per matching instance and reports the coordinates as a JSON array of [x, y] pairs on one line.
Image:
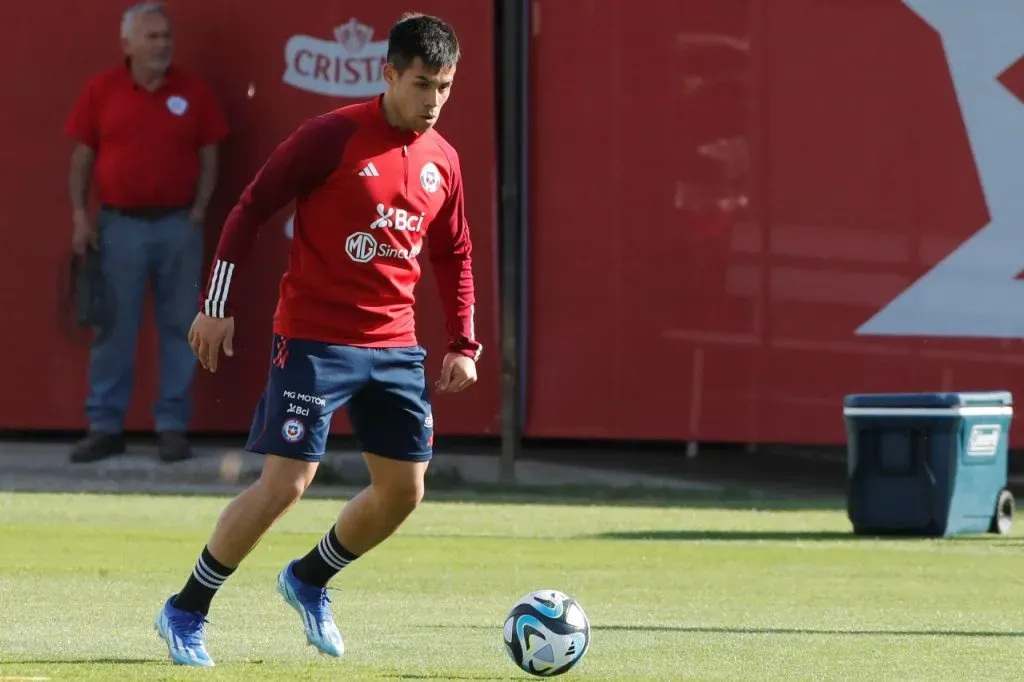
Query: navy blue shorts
[[384, 389]]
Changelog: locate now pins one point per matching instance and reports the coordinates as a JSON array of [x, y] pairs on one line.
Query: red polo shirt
[[146, 143]]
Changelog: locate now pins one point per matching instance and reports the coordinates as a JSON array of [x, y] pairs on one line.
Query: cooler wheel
[[1002, 520]]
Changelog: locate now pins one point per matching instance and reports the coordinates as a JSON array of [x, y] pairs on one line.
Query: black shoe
[[97, 446], [174, 446]]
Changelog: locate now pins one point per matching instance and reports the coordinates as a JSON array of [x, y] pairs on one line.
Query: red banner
[[741, 211], [744, 210], [272, 66]]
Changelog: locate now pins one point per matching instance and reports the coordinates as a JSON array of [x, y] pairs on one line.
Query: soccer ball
[[546, 633]]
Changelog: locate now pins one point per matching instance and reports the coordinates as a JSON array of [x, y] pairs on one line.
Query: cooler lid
[[929, 400]]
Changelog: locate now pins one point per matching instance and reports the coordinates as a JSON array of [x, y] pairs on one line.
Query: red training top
[[146, 143], [366, 193]]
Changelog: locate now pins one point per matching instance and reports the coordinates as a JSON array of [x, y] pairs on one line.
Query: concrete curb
[[44, 467]]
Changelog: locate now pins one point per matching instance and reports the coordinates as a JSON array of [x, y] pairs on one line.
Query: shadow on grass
[[636, 497], [714, 536], [448, 676], [730, 500], [808, 631], [734, 500], [785, 536], [736, 535], [447, 484], [713, 630], [84, 661]]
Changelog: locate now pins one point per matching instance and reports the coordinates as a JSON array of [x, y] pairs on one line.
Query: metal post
[[513, 71]]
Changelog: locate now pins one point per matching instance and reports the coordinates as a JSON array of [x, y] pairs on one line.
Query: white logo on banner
[[974, 292], [351, 65]]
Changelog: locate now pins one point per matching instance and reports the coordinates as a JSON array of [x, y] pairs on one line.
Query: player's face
[[419, 93]]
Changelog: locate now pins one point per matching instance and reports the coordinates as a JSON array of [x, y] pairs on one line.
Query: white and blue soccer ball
[[546, 633]]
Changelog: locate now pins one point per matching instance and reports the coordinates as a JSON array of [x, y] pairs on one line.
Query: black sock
[[207, 577], [323, 561]]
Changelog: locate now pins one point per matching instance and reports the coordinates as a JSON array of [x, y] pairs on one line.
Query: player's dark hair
[[423, 36]]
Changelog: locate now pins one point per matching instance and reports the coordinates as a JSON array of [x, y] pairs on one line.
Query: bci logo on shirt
[[397, 219]]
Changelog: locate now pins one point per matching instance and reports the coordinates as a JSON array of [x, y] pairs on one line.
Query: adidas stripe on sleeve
[[296, 167], [215, 304]]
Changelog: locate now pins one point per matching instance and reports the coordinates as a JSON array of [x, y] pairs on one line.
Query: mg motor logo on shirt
[[397, 219], [351, 65], [362, 247]]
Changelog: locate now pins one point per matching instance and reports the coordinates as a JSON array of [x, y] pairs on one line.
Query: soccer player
[[368, 180]]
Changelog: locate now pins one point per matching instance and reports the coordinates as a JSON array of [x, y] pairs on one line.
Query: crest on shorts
[[430, 177], [177, 105], [293, 431], [429, 421]]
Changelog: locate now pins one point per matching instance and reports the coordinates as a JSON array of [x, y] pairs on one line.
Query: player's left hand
[[458, 372], [208, 336]]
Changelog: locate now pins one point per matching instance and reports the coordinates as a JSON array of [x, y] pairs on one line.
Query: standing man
[[147, 134], [368, 180]]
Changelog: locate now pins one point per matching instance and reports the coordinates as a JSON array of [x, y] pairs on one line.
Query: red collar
[[171, 78], [403, 136]]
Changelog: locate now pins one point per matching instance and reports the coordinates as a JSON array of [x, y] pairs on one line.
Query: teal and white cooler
[[929, 463]]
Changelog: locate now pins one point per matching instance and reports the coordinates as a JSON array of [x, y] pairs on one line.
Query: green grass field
[[703, 591]]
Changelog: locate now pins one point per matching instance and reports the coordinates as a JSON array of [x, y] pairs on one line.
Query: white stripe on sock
[[334, 553], [330, 556], [209, 574], [333, 559], [203, 580]]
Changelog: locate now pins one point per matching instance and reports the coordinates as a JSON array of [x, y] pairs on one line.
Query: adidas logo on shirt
[[369, 171]]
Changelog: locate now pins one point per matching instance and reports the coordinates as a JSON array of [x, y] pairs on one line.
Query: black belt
[[146, 212]]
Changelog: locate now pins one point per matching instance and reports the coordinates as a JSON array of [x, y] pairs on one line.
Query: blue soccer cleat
[[183, 632], [314, 608]]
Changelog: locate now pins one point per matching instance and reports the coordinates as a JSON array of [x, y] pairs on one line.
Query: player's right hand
[[208, 335]]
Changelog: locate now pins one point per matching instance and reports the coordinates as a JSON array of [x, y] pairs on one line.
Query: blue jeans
[[167, 255]]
